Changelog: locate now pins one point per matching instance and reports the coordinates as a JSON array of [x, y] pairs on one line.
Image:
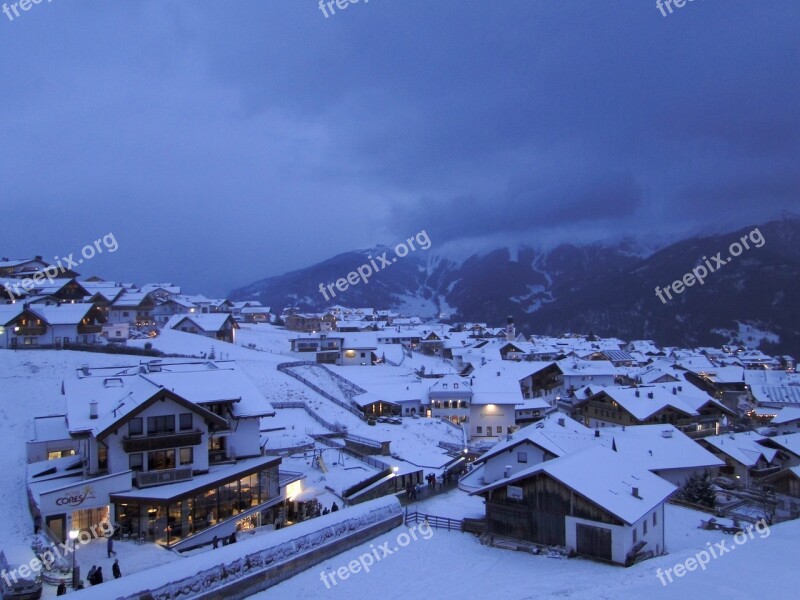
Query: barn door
[[594, 541]]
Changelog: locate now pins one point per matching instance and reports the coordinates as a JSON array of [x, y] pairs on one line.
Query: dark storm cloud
[[526, 206], [223, 142]]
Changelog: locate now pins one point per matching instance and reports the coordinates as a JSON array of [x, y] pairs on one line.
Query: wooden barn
[[593, 502]]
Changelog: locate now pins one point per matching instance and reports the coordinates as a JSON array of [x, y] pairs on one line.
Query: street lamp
[[73, 535]]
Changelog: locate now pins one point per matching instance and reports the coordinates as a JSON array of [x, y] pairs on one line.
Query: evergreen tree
[[699, 489]]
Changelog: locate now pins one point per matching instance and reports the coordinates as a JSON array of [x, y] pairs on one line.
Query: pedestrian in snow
[[325, 511], [90, 575], [62, 588], [335, 507], [98, 575], [116, 570], [232, 539], [215, 543], [110, 546]]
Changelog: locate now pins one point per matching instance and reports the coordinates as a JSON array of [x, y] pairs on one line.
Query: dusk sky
[[222, 142]]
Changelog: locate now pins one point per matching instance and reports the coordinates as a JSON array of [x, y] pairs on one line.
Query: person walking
[[232, 539], [110, 546], [61, 590], [90, 575], [115, 570], [215, 543], [335, 507], [98, 575]]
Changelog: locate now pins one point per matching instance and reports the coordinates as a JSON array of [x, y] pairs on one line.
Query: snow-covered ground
[[456, 566], [343, 471]]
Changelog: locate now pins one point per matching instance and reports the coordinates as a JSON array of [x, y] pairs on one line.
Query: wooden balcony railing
[[162, 441]]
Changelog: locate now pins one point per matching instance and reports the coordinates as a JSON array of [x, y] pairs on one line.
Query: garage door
[[594, 541]]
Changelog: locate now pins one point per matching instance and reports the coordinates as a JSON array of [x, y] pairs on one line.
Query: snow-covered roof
[[498, 382], [131, 299], [743, 447], [595, 368], [644, 401], [120, 390], [550, 435], [210, 322], [790, 442], [776, 394], [62, 314], [604, 478], [50, 428], [660, 448], [786, 415]]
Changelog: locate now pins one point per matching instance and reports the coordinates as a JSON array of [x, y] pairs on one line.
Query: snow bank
[[230, 564]]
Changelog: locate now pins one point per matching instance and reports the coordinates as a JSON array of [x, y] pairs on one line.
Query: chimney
[[636, 393], [667, 433], [561, 421], [650, 395], [635, 492], [93, 409]]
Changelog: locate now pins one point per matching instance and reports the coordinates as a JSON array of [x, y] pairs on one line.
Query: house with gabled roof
[[746, 459], [49, 325], [218, 326], [594, 502], [170, 450], [692, 411], [134, 308]]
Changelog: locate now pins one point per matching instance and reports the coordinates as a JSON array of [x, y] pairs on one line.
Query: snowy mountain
[[605, 288]]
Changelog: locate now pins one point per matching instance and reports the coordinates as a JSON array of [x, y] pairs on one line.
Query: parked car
[[20, 581], [725, 483]]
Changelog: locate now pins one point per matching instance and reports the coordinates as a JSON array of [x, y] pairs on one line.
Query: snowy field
[[455, 565]]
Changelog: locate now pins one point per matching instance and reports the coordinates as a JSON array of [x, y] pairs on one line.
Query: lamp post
[[73, 535]]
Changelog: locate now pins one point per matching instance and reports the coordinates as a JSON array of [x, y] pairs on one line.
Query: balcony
[[29, 330], [162, 441], [86, 329], [147, 479], [219, 457]]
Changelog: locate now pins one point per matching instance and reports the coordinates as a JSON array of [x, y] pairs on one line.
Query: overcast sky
[[222, 142]]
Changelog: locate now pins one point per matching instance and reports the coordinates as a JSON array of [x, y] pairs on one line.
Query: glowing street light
[[73, 535]]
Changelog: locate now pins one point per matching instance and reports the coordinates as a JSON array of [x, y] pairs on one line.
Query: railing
[[296, 404], [285, 368], [451, 447], [30, 330], [146, 479], [364, 441], [216, 457], [371, 461], [449, 422], [433, 521], [162, 441], [362, 485]]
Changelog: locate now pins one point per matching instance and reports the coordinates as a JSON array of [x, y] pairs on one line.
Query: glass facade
[[171, 521]]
